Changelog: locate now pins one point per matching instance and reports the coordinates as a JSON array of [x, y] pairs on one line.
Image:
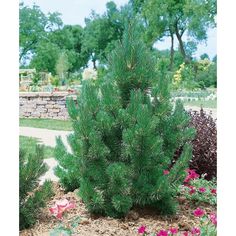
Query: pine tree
[[126, 132], [32, 197]]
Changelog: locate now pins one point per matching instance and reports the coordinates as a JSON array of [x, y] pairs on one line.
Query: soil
[[91, 225]]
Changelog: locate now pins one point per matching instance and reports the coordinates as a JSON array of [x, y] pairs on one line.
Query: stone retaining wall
[[44, 105]]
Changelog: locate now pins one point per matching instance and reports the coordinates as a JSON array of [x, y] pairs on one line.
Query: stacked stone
[[44, 105]]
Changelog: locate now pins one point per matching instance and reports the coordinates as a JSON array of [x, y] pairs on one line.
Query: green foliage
[[32, 197], [123, 139], [46, 57], [61, 230], [29, 144], [102, 31], [46, 123], [34, 27], [67, 171], [207, 196], [66, 229], [177, 18], [208, 229]]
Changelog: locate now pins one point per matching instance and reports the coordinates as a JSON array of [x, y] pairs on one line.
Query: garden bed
[[90, 225]]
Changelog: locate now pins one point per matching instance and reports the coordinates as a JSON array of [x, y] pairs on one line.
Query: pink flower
[[213, 191], [202, 190], [192, 191], [61, 206], [162, 233], [166, 172], [173, 230], [185, 233], [213, 218], [198, 212], [142, 229], [191, 175], [195, 231]]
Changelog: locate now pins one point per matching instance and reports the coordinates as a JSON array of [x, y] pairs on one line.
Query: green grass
[[46, 124], [29, 144], [204, 104]]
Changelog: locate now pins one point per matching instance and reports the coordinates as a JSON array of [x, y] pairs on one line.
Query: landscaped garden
[[139, 162]]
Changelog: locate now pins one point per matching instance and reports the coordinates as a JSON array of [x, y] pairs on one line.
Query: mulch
[[92, 225]]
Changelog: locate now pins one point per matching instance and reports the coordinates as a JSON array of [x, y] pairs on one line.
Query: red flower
[[166, 172], [191, 175], [213, 218], [61, 206], [202, 190], [198, 212], [195, 231], [192, 191], [213, 191], [185, 233], [142, 229], [173, 230], [162, 233]]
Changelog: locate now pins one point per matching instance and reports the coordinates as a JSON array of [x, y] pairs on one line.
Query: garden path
[[213, 111], [47, 137]]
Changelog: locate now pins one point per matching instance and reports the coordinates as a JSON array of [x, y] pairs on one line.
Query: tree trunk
[[181, 44], [94, 64], [172, 51]]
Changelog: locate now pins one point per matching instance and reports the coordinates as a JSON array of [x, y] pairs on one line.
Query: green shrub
[[32, 196], [67, 171], [123, 139]]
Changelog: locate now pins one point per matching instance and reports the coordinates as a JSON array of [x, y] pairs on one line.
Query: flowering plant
[[200, 190], [208, 223], [60, 207]]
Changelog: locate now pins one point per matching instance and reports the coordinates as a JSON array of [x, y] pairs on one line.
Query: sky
[[74, 11]]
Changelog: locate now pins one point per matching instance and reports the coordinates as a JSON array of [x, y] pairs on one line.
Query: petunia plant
[[199, 189], [60, 207], [207, 227]]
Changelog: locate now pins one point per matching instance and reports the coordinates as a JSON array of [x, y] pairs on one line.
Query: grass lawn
[[204, 104], [46, 124], [29, 144]]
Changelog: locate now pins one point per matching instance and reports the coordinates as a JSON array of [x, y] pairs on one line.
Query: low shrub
[[204, 159], [200, 190], [32, 196]]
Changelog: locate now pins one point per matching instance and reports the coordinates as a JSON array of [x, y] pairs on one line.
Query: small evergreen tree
[[126, 132], [32, 197]]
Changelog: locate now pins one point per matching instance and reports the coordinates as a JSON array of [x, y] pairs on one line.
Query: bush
[[204, 145], [32, 196], [67, 171], [123, 139]]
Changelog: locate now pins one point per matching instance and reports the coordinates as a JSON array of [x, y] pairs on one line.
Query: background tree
[[34, 26], [177, 18], [62, 66], [102, 31], [45, 57]]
